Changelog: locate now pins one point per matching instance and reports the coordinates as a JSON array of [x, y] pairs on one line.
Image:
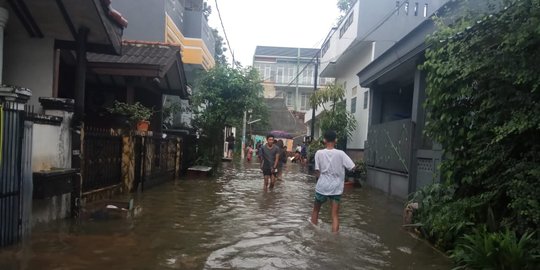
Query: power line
[[225, 34], [385, 19]]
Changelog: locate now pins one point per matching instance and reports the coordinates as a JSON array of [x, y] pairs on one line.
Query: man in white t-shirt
[[330, 165]]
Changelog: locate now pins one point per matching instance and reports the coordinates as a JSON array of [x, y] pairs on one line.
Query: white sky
[[285, 23]]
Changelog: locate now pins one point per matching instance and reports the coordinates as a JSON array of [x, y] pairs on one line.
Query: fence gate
[[102, 165], [15, 173], [155, 160]]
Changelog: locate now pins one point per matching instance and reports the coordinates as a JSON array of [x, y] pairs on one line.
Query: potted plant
[[358, 173], [137, 114]]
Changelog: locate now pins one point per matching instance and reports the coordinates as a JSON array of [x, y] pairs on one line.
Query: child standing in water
[[249, 152], [330, 165]]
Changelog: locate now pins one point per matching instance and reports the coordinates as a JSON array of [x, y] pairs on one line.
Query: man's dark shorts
[[319, 198], [268, 171]]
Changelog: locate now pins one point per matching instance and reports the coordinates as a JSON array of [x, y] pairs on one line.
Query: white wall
[[51, 145], [348, 74], [28, 62]]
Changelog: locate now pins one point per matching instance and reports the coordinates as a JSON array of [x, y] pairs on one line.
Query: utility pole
[[296, 99], [314, 105], [244, 134]]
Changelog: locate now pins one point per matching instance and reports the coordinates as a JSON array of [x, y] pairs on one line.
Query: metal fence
[[102, 165], [157, 158], [15, 173], [389, 145]]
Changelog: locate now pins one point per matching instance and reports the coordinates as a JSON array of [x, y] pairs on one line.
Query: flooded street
[[230, 223]]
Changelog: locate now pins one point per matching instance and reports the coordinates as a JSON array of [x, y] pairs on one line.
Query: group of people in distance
[[330, 165]]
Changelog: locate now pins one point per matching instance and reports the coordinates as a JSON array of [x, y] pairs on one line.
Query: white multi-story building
[[367, 30], [279, 66]]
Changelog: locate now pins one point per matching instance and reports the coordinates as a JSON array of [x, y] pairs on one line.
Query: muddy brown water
[[229, 222]]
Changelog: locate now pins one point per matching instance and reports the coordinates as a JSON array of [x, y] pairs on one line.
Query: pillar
[[4, 16]]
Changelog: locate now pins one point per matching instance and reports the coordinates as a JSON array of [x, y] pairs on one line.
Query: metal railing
[[102, 165], [15, 173]]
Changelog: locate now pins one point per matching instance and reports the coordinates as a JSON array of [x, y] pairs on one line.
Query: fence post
[[15, 167]]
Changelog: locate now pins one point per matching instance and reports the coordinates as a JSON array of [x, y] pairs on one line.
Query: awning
[[159, 62], [62, 19]]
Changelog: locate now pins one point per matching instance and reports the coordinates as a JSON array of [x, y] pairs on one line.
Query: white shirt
[[331, 164]]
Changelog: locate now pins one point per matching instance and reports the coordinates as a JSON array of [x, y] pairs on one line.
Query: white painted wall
[[348, 74], [28, 62], [338, 44], [51, 145]]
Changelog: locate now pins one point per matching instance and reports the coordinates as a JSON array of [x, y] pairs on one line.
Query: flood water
[[229, 222]]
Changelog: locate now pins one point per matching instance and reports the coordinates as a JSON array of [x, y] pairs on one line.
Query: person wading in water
[[270, 159], [330, 165]]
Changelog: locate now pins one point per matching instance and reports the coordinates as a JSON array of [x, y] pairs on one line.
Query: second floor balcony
[[380, 22]]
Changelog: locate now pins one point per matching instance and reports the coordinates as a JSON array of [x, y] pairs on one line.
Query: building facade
[[367, 30], [288, 73], [180, 22], [400, 157], [177, 22]]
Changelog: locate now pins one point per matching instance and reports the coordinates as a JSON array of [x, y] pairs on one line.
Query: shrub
[[443, 220], [499, 250]]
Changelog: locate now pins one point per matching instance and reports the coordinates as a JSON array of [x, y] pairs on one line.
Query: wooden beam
[[22, 11], [80, 75], [67, 19], [56, 72]]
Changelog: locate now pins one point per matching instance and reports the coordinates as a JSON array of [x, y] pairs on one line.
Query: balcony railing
[[389, 145]]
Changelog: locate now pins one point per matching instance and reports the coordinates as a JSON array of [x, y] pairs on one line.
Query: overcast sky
[[286, 23]]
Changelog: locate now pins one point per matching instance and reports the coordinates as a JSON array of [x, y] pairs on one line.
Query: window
[[425, 10], [346, 25], [305, 78], [280, 75], [345, 86], [290, 75], [304, 101], [267, 73], [416, 9], [406, 8], [353, 105], [366, 99], [325, 47], [289, 99]]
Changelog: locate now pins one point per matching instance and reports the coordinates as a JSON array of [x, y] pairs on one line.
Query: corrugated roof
[[157, 54], [285, 51]]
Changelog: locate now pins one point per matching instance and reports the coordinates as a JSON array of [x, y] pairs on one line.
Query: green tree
[[220, 48], [483, 103], [334, 115], [344, 6], [222, 95]]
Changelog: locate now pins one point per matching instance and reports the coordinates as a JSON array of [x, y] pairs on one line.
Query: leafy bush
[[313, 147], [499, 250], [334, 115], [359, 170], [482, 103], [443, 219], [135, 112]]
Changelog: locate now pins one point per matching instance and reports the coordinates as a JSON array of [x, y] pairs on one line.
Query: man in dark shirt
[[230, 145], [270, 159]]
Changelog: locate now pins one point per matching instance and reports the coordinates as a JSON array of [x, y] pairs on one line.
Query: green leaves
[[501, 250], [220, 98], [483, 107], [135, 112], [335, 115]]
